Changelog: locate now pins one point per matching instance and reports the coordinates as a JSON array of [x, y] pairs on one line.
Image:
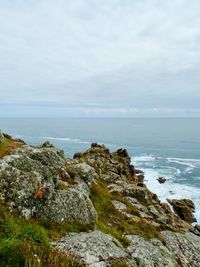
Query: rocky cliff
[[94, 207]]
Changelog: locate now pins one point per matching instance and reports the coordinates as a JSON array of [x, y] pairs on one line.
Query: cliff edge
[[93, 210]]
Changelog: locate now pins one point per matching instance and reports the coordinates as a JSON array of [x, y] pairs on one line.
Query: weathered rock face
[[185, 248], [83, 171], [184, 208], [95, 248], [109, 166], [70, 205], [29, 179], [180, 250], [150, 253]]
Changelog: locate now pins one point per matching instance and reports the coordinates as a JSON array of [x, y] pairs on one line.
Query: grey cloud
[[99, 57]]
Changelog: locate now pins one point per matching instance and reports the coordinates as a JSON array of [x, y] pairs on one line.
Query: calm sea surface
[[160, 147]]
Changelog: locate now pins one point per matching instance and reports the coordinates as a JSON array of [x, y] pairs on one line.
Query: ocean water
[[159, 147]]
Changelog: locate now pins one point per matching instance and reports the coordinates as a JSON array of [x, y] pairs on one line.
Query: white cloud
[[117, 54]]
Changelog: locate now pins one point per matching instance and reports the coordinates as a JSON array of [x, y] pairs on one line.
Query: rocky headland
[[93, 210]]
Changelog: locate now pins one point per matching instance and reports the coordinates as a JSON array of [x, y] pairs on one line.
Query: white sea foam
[[65, 139], [144, 158], [192, 163], [171, 188]]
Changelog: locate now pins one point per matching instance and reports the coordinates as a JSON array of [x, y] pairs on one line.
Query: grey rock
[[180, 250], [84, 171], [150, 253], [161, 180], [185, 248], [29, 178], [94, 248], [70, 205], [153, 211], [131, 190], [119, 205]]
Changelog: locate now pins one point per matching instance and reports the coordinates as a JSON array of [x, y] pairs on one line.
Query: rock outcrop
[[29, 179], [161, 180], [128, 225], [184, 208], [96, 249]]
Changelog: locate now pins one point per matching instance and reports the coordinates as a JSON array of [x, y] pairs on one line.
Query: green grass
[[56, 231], [27, 244], [112, 221]]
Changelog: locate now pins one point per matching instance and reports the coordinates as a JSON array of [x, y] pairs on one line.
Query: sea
[[168, 147]]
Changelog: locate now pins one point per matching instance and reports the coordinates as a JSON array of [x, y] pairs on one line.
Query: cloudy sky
[[122, 58]]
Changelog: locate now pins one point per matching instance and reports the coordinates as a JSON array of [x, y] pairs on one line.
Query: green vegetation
[[113, 222], [62, 186], [25, 243], [56, 231], [8, 146]]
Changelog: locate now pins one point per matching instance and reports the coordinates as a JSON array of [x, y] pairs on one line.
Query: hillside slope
[[92, 210]]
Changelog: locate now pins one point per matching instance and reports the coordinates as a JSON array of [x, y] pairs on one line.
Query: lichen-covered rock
[[185, 248], [94, 248], [180, 250], [110, 166], [70, 205], [29, 184], [83, 171], [27, 174], [141, 193], [150, 253]]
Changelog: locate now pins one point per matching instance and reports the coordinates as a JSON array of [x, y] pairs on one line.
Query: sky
[[99, 58]]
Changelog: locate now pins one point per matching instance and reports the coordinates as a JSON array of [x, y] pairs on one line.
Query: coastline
[[98, 200]]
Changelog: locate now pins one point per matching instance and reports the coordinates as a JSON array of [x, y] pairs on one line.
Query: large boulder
[[27, 173], [83, 171], [29, 185], [69, 205], [96, 249], [184, 208]]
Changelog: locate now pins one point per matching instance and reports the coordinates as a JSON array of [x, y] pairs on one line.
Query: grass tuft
[[112, 221]]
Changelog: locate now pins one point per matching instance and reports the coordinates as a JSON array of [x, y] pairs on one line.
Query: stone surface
[[185, 248], [39, 182], [162, 180], [94, 248], [84, 171], [180, 250], [150, 253], [29, 181], [70, 205], [184, 208]]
